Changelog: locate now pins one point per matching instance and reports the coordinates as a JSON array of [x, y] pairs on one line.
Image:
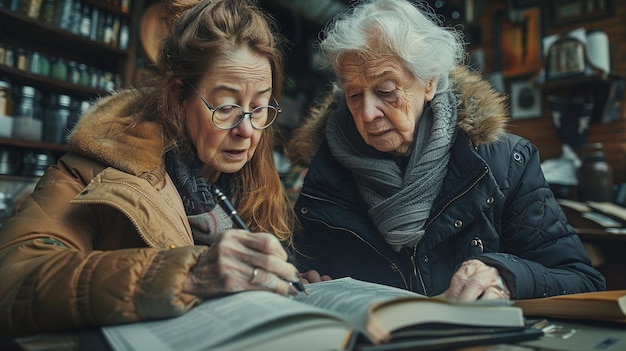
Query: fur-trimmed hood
[[482, 114], [107, 133]]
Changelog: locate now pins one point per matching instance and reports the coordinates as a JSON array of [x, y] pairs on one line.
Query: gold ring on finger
[[255, 273]]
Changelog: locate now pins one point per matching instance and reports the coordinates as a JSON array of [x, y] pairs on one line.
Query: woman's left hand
[[313, 276], [476, 281]]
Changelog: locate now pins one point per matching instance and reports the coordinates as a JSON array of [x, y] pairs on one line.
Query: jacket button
[[394, 267], [150, 177], [458, 223], [476, 246], [425, 258], [490, 200], [85, 192], [517, 157], [172, 246], [304, 210]]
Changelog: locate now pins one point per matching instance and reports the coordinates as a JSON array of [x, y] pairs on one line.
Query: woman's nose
[[244, 129], [370, 110]]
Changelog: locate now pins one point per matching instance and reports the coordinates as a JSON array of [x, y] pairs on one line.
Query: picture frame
[[525, 99], [567, 12], [518, 41]]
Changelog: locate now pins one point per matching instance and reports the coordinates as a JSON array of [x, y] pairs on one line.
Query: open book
[[602, 305], [328, 318]]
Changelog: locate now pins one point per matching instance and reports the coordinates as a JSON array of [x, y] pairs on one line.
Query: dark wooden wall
[[541, 130]]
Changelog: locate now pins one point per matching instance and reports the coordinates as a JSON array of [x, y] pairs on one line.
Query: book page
[[350, 297], [211, 323]]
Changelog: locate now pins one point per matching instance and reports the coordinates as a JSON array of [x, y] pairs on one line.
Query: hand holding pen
[[228, 207]]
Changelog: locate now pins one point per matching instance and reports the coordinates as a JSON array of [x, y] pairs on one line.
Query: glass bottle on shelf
[[47, 12], [125, 6], [124, 35], [95, 19], [108, 29], [75, 17], [85, 21], [63, 18]]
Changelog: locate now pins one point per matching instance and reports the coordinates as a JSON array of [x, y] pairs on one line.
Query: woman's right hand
[[241, 260]]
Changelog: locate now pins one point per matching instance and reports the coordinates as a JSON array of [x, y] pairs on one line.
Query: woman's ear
[[430, 89], [177, 88]]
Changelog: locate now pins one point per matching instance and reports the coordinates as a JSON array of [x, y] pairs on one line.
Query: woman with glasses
[[126, 226]]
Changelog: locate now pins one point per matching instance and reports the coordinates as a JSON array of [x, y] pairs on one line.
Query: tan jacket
[[103, 239]]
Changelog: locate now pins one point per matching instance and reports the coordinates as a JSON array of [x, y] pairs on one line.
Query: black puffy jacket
[[495, 205]]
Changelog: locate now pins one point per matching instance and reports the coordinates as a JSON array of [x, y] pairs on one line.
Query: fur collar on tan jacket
[[482, 114], [133, 152]]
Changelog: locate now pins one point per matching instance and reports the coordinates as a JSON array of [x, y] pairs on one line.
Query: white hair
[[412, 33]]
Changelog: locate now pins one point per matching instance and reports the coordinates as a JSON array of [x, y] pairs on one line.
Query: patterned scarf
[[207, 220], [399, 198]]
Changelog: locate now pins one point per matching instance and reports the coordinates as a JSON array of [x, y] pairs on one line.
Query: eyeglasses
[[229, 116]]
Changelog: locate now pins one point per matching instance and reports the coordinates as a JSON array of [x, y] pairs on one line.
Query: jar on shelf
[[30, 8], [6, 100], [27, 123], [6, 109], [595, 176], [85, 21], [57, 115], [9, 56], [73, 74], [58, 69], [3, 53], [21, 59], [44, 66], [34, 62], [84, 75]]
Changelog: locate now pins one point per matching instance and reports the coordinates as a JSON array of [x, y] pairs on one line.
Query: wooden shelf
[[18, 77], [30, 34]]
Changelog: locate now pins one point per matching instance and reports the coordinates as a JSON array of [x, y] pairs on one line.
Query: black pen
[[228, 207]]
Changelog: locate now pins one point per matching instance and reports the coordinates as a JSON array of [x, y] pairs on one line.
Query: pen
[[228, 207]]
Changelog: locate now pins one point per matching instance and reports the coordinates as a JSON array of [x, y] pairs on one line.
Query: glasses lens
[[263, 116], [229, 116]]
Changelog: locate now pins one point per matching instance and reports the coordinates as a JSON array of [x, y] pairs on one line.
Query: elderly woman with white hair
[[413, 180]]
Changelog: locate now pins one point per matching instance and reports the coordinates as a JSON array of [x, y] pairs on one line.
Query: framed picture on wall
[[525, 99], [517, 39]]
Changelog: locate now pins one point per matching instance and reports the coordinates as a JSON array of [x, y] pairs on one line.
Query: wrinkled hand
[[476, 281], [239, 261], [313, 276]]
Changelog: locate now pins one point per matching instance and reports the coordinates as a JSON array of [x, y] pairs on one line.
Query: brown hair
[[202, 32]]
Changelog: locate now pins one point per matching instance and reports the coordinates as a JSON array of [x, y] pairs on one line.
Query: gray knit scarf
[[207, 221], [399, 198]]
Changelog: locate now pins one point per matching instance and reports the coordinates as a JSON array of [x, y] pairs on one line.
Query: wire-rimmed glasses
[[229, 116]]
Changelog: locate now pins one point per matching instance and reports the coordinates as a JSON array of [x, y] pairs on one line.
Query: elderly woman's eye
[[354, 96]]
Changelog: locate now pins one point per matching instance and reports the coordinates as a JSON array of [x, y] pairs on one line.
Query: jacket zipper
[[416, 269], [407, 286]]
